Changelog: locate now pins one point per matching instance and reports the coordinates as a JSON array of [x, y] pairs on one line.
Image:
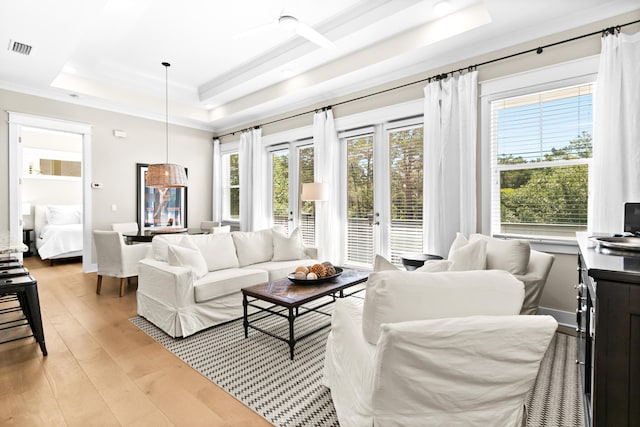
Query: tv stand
[[608, 334]]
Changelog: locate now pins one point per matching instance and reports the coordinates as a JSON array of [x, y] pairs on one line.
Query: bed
[[58, 231]]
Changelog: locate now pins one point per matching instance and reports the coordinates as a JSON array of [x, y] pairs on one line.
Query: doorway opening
[[49, 165]]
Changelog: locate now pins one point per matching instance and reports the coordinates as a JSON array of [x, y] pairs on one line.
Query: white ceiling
[[108, 53]]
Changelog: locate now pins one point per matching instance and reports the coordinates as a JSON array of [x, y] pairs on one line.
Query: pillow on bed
[[62, 215]]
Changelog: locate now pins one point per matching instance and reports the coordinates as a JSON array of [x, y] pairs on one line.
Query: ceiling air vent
[[18, 47]]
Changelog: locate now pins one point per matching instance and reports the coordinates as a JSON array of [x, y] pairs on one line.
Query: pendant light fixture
[[166, 175]]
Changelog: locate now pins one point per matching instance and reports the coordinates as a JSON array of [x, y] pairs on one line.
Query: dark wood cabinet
[[608, 334]]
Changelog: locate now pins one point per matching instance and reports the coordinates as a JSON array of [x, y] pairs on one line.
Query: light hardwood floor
[[102, 370]]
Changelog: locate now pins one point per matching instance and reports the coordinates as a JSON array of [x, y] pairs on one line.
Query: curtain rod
[[538, 50]]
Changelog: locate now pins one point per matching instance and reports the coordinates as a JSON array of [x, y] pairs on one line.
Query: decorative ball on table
[[319, 270], [329, 268], [302, 269]]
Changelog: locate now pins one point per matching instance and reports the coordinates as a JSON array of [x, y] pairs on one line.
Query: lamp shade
[[314, 191], [165, 175], [26, 209]]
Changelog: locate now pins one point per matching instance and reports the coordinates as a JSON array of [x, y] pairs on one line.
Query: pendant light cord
[[166, 98]]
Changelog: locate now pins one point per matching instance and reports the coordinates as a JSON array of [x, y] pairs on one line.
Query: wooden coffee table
[[288, 299]]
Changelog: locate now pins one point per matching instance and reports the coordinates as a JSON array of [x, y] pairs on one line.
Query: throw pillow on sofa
[[184, 256], [287, 248], [160, 245], [218, 250], [467, 255], [435, 266], [253, 247], [510, 255], [380, 263]]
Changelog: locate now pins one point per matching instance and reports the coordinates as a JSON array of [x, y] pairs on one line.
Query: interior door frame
[[16, 122]]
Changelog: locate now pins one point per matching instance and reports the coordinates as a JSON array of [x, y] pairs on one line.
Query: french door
[[291, 166], [383, 191]]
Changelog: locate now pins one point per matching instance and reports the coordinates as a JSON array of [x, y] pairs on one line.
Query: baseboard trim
[[564, 318]]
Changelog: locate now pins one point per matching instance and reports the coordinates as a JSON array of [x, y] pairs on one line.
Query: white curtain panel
[[253, 185], [245, 154], [216, 183], [326, 150], [615, 172], [450, 135], [261, 218]]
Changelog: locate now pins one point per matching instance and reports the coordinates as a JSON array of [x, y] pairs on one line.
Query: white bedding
[[56, 240], [58, 231]]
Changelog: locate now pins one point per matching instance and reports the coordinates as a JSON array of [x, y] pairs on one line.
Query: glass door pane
[[280, 188], [406, 182], [307, 209], [360, 213]]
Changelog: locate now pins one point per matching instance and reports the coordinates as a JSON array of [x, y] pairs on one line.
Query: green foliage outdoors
[[360, 177], [280, 180], [406, 180], [407, 171], [234, 181], [547, 195], [406, 176], [280, 164]]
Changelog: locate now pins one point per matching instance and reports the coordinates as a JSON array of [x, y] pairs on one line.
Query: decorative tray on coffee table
[[314, 281]]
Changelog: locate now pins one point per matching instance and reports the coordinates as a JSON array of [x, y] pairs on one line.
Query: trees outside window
[[280, 188], [541, 145], [406, 169], [231, 187]]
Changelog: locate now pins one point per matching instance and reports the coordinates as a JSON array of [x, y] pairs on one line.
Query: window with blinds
[[406, 170], [280, 188], [360, 238], [540, 152], [231, 187], [307, 209]]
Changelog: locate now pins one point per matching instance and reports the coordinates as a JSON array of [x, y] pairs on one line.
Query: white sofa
[[434, 349], [193, 282]]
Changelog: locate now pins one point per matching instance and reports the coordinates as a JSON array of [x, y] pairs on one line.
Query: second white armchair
[[117, 259]]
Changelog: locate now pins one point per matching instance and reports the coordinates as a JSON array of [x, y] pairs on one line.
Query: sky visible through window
[[531, 130]]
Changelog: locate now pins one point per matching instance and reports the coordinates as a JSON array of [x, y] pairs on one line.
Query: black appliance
[[632, 218]]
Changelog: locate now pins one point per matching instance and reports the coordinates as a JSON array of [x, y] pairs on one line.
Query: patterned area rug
[[555, 399], [288, 393]]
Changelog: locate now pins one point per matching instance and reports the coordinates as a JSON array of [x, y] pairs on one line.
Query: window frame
[[227, 150], [572, 73]]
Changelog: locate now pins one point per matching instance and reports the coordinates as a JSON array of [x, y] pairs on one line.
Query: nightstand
[[27, 239]]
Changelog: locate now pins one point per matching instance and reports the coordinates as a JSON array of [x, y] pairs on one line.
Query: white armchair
[[431, 349], [206, 226], [125, 227], [115, 258], [513, 255]]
